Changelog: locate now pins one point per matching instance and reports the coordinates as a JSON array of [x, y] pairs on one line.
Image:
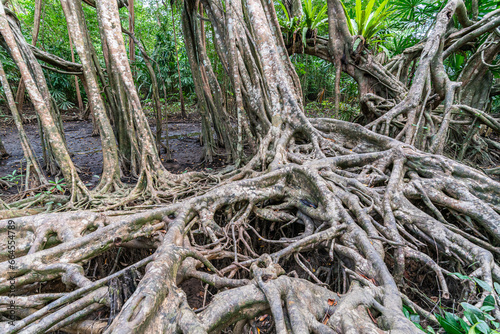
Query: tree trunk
[[21, 89], [34, 174], [27, 52], [109, 22], [156, 98], [210, 98], [76, 186], [77, 85], [110, 178], [131, 28], [181, 94]]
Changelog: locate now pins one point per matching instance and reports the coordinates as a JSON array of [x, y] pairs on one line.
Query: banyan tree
[[317, 221]]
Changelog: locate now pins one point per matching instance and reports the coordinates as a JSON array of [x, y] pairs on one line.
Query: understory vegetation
[[250, 166]]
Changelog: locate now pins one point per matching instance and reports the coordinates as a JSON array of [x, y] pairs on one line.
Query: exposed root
[[381, 199]]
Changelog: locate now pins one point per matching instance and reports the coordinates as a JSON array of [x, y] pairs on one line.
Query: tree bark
[[156, 98], [77, 85], [131, 28], [109, 22], [210, 98], [181, 94], [34, 174], [21, 89], [51, 165], [110, 178], [76, 186]]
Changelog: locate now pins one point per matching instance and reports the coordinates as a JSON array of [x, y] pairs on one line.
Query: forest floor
[[184, 140], [187, 155]]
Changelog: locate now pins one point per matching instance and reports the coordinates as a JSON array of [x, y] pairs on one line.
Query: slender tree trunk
[[34, 174], [77, 85], [131, 28], [181, 94], [476, 76], [338, 74], [36, 29], [110, 178], [61, 154], [36, 72], [210, 95], [156, 97], [109, 21]]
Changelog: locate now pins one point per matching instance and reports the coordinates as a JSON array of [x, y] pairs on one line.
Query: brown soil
[[187, 151]]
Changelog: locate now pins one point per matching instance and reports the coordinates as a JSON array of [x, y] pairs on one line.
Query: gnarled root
[[348, 218]]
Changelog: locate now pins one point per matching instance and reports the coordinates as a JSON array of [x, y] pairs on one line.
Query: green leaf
[[464, 325], [497, 287], [284, 10], [460, 276], [472, 313], [480, 327], [348, 19], [483, 284], [369, 7], [406, 312], [449, 327], [304, 33], [430, 330], [472, 330], [358, 14], [489, 301]]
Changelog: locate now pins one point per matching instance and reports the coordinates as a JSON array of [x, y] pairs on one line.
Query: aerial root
[[334, 220]]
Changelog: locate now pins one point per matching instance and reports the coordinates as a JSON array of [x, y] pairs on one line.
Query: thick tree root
[[349, 218]]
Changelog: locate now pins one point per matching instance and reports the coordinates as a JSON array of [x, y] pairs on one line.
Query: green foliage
[[415, 318], [313, 18], [153, 27], [164, 59], [11, 71], [13, 177], [409, 10], [57, 186], [397, 43], [289, 26], [484, 6], [414, 14], [61, 100], [473, 320], [479, 320], [368, 21]]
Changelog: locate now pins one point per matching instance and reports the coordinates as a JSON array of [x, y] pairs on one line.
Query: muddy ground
[[184, 139], [187, 155]]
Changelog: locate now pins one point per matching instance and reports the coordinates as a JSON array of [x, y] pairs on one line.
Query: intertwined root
[[348, 219]]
